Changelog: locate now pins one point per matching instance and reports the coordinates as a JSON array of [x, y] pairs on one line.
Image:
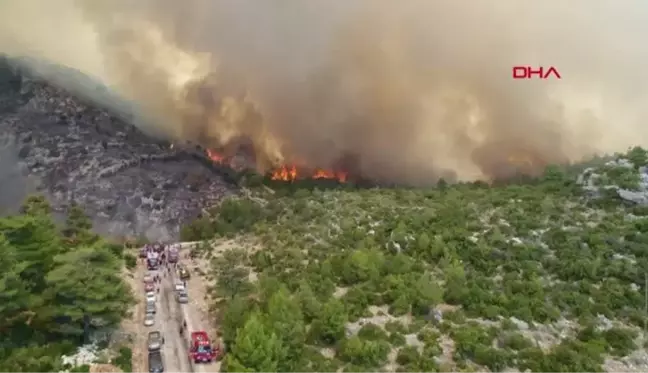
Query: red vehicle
[[201, 349], [149, 286]]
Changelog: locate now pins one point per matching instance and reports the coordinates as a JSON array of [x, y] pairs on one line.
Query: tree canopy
[[511, 273], [53, 292]]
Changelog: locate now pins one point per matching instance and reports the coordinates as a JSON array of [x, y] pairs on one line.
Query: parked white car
[[149, 319], [182, 297], [179, 286], [150, 297]]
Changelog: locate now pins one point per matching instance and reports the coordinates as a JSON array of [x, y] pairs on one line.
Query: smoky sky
[[413, 90]]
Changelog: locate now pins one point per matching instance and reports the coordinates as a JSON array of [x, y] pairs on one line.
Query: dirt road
[[194, 319], [167, 321], [170, 317]]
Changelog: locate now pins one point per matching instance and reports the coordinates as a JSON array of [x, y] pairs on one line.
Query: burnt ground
[[131, 184]]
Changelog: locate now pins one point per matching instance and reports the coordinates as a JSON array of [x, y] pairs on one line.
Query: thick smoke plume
[[410, 91]]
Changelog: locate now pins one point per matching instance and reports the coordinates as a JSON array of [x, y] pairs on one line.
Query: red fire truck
[[201, 349]]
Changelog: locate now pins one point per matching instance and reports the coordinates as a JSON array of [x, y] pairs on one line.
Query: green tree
[[257, 348], [364, 353], [555, 179], [232, 275], [237, 215], [199, 229], [36, 242], [236, 313], [15, 298], [35, 358], [427, 293], [286, 320], [36, 205], [455, 282], [638, 156], [49, 291], [310, 306], [329, 325], [78, 227], [361, 265], [423, 242], [86, 289]]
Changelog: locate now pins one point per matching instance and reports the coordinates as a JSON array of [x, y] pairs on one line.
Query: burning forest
[[287, 173], [415, 90], [293, 172]]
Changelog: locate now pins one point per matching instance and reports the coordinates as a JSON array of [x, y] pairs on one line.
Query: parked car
[[151, 308], [173, 254], [179, 286], [182, 296], [184, 274], [150, 297], [149, 287], [155, 341], [155, 362], [152, 261], [149, 319]]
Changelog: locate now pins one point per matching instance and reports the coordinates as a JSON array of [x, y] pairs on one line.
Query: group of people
[[162, 253]]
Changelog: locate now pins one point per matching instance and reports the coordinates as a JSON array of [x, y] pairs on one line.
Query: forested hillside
[[532, 275], [57, 286], [544, 274]]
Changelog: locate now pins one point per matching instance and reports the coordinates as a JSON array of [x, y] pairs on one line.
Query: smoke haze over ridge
[[415, 91]]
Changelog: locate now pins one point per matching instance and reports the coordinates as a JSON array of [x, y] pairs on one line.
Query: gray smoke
[[412, 90]]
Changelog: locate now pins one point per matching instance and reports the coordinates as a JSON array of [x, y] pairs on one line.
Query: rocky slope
[[130, 183]]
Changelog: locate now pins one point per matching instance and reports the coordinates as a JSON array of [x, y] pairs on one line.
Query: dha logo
[[528, 72]]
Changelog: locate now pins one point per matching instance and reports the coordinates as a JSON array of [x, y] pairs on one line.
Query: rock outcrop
[[131, 184], [629, 183]]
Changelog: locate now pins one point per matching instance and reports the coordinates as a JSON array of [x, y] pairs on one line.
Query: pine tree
[[257, 348], [78, 227], [286, 320], [85, 286]]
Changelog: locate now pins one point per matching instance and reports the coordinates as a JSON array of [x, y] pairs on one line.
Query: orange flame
[[330, 174], [290, 173], [215, 156], [285, 173]]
